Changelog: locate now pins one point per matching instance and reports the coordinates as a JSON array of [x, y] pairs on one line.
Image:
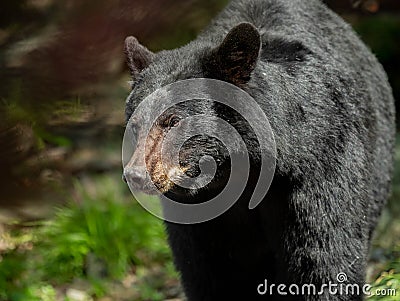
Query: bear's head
[[232, 61]]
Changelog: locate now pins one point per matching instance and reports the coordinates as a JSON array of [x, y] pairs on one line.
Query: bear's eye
[[172, 121]]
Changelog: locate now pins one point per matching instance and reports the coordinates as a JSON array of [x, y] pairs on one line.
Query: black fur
[[331, 109]]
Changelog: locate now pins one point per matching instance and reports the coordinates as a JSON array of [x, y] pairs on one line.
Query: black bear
[[332, 112]]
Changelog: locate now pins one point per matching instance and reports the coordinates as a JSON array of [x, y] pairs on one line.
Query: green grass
[[98, 239], [388, 282], [110, 231]]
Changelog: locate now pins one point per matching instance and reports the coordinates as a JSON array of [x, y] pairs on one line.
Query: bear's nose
[[134, 176]]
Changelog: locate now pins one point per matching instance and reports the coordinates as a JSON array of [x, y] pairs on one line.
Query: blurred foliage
[[387, 286], [386, 245], [101, 226], [96, 239], [382, 34]]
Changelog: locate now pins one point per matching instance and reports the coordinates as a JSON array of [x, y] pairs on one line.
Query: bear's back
[[310, 53]]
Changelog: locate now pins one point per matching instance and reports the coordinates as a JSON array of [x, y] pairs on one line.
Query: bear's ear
[[138, 57], [235, 59]]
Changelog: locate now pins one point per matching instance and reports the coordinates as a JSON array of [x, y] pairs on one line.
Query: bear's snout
[[135, 177]]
